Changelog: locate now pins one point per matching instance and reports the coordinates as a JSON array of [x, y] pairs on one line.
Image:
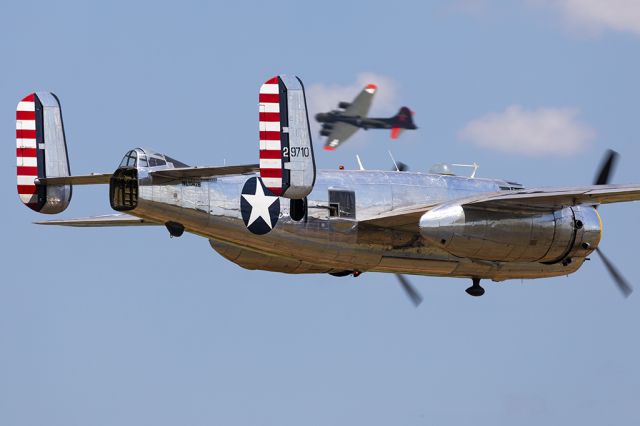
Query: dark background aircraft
[[338, 125]]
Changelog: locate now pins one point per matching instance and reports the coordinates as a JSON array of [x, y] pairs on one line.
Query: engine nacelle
[[344, 105], [512, 236]]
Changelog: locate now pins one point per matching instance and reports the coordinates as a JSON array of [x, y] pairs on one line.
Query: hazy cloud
[[598, 15], [530, 132], [323, 97]]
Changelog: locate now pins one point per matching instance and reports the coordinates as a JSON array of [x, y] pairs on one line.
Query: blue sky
[[129, 327]]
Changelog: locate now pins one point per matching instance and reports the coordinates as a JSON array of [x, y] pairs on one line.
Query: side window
[[142, 161], [342, 203]]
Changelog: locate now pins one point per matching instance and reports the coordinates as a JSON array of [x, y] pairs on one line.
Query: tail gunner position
[[283, 215]]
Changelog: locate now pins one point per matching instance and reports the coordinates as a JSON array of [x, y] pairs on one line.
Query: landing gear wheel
[[475, 290]]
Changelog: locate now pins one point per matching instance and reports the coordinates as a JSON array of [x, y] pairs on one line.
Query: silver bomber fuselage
[[323, 243]]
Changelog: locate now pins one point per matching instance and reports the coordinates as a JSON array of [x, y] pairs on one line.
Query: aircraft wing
[[362, 103], [119, 219], [555, 198], [340, 133], [526, 200]]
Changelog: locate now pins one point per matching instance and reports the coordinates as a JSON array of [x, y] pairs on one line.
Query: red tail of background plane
[[401, 121]]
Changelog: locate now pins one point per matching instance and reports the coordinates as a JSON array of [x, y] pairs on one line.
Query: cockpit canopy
[[144, 157]]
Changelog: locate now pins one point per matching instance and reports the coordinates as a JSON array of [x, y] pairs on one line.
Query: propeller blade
[[622, 283], [413, 294], [607, 166]]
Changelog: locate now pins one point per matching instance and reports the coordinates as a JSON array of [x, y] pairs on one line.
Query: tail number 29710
[[296, 151]]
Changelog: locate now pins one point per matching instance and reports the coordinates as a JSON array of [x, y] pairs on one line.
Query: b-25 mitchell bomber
[[283, 215], [339, 125]]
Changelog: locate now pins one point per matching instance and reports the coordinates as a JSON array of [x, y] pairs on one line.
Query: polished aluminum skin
[[477, 243], [55, 157], [300, 158], [512, 236]]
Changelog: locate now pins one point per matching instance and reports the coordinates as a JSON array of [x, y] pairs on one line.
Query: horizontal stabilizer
[[395, 132], [92, 179], [203, 172], [101, 221]]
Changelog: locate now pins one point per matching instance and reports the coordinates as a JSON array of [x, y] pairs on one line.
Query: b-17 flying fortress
[[339, 125]]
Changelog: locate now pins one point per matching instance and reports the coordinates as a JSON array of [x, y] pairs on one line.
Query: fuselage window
[[342, 203]]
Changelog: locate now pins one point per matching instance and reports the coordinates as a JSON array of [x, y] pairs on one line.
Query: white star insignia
[[260, 204]]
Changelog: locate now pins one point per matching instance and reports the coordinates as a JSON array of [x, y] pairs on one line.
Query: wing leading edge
[[555, 198], [362, 103]]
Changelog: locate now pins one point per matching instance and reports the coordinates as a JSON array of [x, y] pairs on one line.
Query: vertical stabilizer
[[41, 152], [287, 165]]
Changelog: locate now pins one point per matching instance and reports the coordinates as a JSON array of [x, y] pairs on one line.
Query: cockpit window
[[142, 161], [130, 159], [154, 161]]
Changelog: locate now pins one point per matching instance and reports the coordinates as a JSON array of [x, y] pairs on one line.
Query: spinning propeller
[[409, 289], [611, 158]]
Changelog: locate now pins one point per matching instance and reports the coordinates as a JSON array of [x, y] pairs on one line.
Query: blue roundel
[[259, 207]]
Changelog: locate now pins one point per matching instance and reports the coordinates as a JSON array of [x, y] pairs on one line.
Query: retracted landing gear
[[475, 290]]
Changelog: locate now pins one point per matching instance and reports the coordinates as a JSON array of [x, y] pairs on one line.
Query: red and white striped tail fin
[[41, 152], [287, 165], [26, 150], [270, 140]]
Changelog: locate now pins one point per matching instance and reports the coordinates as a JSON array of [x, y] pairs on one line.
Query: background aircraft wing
[[362, 103], [526, 200], [119, 219], [340, 133]]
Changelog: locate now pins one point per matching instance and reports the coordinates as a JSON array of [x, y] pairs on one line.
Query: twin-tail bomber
[[282, 215]]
